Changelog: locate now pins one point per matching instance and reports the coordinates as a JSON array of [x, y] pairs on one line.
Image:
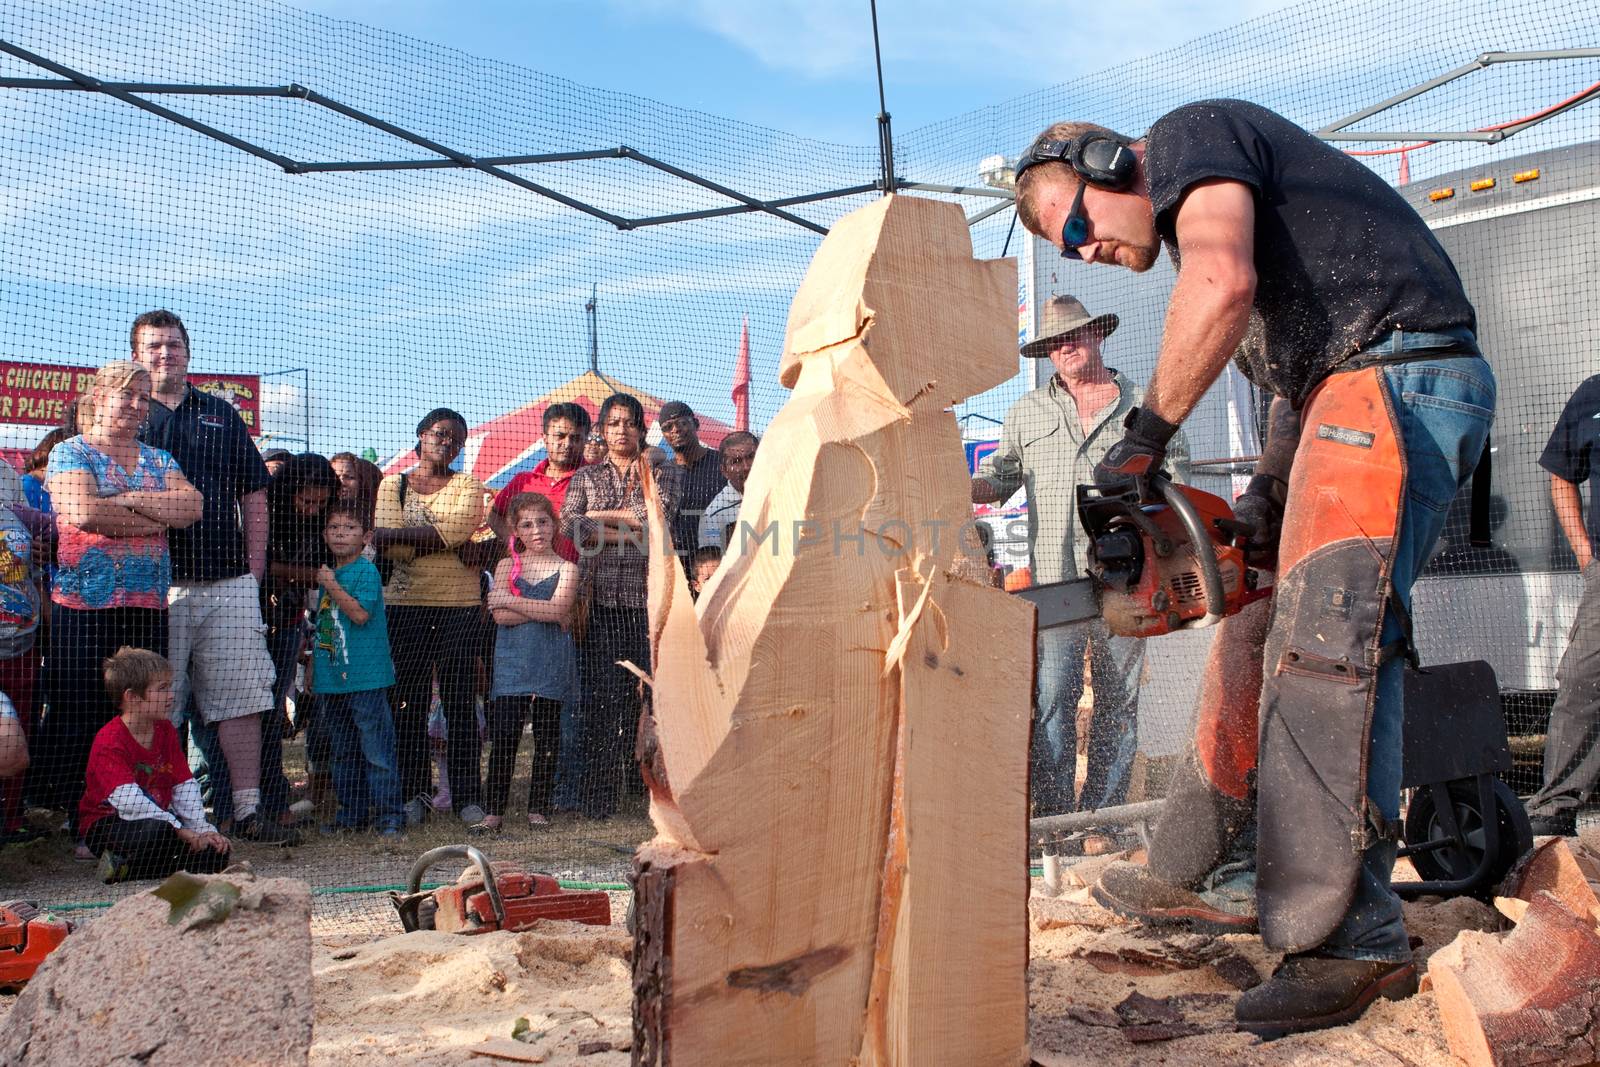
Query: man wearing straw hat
[[1052, 439]]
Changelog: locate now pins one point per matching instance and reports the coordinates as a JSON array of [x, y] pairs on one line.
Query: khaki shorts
[[217, 642]]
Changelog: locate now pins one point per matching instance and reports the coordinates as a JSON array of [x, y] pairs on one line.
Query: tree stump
[[1532, 997], [837, 744]]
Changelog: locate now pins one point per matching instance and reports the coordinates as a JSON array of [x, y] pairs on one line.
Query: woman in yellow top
[[424, 518]]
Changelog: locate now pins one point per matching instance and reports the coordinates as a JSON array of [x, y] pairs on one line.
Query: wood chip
[[1136, 1009], [1093, 1016], [503, 1048], [1161, 1032], [589, 1048], [1236, 971]]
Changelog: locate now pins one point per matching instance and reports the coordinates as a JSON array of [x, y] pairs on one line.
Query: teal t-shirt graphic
[[351, 658]]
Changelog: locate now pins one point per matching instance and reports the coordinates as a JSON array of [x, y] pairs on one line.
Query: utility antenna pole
[[592, 310], [885, 138]]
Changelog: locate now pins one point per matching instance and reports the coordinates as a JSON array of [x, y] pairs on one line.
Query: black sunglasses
[[1075, 230]]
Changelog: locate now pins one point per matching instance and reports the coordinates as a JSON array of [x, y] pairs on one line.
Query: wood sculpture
[[837, 745]]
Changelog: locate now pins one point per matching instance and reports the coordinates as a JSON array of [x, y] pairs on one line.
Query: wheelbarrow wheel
[[1453, 862]]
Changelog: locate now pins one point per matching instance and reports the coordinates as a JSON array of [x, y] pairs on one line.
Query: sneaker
[[489, 824], [1133, 892], [264, 831], [472, 815], [416, 811], [1312, 992], [113, 868]]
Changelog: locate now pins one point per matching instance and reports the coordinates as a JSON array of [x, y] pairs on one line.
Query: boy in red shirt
[[141, 811]]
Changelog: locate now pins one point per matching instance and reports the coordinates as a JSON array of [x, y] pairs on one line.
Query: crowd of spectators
[[172, 597]]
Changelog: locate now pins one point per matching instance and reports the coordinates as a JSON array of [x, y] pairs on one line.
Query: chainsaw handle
[[461, 852], [1205, 555]]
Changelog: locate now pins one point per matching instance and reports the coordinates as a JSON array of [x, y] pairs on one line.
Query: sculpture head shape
[[897, 281]]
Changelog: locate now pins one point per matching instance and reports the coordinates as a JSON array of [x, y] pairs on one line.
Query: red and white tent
[[508, 444]]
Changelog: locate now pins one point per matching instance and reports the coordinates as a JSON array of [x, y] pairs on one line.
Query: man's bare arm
[[1568, 503], [253, 509], [1211, 301]]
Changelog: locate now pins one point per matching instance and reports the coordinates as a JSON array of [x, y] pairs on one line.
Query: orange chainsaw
[[1162, 557], [27, 936]]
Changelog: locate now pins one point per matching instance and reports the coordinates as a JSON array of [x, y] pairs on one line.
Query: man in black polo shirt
[[1332, 294], [701, 468], [216, 637], [1572, 745]]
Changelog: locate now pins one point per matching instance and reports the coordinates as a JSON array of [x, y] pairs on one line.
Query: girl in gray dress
[[535, 663]]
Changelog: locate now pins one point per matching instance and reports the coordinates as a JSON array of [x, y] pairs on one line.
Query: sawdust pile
[[426, 998], [1102, 992]]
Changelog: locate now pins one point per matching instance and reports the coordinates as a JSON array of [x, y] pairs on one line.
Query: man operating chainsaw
[[1052, 438], [1331, 294]]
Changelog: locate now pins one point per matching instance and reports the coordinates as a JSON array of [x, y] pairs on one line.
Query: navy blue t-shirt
[[209, 440], [1571, 448]]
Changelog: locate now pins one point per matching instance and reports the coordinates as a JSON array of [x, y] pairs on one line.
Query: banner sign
[[36, 394]]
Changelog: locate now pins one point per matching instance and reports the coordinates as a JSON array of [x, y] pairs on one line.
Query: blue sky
[[805, 66], [404, 290]]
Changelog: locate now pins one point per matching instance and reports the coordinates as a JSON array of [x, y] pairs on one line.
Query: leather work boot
[[1311, 992], [1133, 892]]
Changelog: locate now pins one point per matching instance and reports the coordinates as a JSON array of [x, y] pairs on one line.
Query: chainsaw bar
[[1063, 603]]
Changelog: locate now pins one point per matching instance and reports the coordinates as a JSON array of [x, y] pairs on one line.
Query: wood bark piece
[[837, 744], [1055, 913], [1552, 867], [1532, 997]]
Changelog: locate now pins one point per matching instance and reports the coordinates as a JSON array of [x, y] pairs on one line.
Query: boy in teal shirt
[[351, 676]]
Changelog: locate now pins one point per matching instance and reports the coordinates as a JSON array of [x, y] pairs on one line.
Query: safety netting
[[424, 268]]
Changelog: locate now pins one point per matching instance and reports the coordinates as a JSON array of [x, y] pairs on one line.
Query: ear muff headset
[[1103, 160]]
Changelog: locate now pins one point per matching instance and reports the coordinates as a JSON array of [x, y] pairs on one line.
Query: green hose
[[340, 890]]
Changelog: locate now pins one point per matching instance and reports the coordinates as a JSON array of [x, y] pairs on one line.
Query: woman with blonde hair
[[115, 498]]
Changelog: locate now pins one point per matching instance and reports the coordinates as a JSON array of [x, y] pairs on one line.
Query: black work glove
[[1140, 453], [1260, 507]]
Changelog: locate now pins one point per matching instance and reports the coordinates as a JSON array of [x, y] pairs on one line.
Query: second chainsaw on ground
[[1162, 557]]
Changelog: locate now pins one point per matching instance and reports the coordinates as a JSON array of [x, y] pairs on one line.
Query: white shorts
[[217, 642]]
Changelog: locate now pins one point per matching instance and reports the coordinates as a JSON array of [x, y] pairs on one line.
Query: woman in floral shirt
[[115, 498]]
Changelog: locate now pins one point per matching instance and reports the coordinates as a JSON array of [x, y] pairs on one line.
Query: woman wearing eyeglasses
[[431, 598]]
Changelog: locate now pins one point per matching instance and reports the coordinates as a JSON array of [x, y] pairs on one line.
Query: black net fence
[[402, 259]]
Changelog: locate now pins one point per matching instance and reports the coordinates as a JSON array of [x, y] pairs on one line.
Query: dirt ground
[[427, 998]]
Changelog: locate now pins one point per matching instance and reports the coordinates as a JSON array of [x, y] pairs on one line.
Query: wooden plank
[[786, 913], [1532, 997]]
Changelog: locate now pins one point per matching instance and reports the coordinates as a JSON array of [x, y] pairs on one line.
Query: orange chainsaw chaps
[[1348, 469], [1230, 700]]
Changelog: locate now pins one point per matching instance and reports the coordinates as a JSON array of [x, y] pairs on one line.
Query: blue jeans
[[366, 775], [1114, 666], [1444, 407]]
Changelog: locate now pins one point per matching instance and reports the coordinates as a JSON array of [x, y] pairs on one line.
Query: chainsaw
[[1162, 557], [27, 936], [491, 896]]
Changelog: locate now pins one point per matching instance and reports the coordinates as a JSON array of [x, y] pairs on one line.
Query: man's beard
[[1138, 258]]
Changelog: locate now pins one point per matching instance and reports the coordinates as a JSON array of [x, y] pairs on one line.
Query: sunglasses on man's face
[[1075, 231]]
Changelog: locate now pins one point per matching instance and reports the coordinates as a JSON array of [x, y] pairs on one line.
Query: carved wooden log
[[1532, 997], [837, 754], [1551, 866]]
